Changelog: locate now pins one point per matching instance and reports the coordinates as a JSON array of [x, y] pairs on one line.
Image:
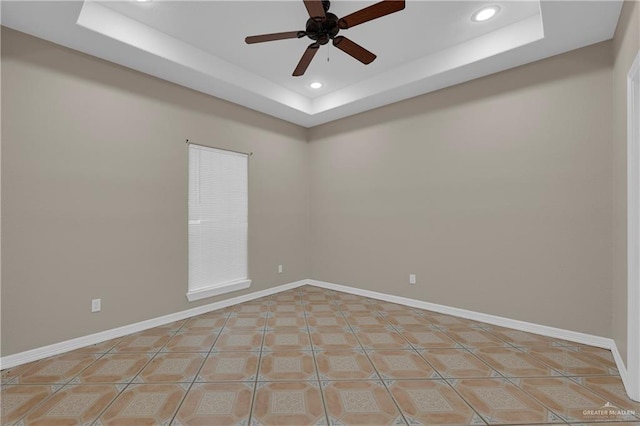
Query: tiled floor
[[311, 356]]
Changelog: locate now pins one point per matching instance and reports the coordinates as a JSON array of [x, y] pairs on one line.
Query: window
[[218, 211]]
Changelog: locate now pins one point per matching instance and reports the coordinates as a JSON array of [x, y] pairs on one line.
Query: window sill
[[203, 293]]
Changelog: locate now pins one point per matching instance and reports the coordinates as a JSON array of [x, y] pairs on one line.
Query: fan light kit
[[315, 85], [485, 13], [323, 26]]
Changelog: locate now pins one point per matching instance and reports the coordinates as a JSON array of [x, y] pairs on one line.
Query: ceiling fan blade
[[354, 50], [378, 10], [307, 56], [275, 36], [315, 8]]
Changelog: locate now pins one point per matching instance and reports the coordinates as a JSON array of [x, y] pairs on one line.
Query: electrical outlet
[[412, 278], [96, 305], [279, 269]]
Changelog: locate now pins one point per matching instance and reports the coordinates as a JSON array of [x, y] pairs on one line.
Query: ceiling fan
[[323, 26]]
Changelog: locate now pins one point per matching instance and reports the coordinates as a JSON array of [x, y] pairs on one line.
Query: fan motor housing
[[324, 29]]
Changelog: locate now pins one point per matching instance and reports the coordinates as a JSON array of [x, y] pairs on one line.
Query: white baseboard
[[558, 333], [543, 330], [77, 343], [622, 368]]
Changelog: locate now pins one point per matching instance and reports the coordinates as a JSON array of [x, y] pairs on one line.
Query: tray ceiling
[[427, 46]]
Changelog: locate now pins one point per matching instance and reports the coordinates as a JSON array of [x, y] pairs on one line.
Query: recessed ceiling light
[[315, 85], [144, 1], [485, 13]]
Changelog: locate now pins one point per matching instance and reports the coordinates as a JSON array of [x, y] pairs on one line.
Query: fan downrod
[[320, 29]]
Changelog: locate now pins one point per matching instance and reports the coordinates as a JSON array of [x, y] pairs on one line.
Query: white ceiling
[[427, 46]]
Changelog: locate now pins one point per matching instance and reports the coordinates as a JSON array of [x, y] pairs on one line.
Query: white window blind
[[218, 213]]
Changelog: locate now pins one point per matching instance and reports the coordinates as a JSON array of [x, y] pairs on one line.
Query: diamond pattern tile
[[288, 403], [421, 337], [98, 348], [229, 366], [153, 404], [191, 341], [575, 403], [12, 375], [499, 401], [429, 402], [334, 338], [473, 337], [207, 324], [287, 366], [381, 338], [457, 363], [73, 404], [326, 320], [171, 367], [246, 322], [59, 369], [241, 340], [344, 365], [216, 404], [401, 364], [286, 321], [574, 361], [310, 356], [612, 389], [511, 362], [360, 403], [524, 339], [17, 400], [147, 341], [286, 339], [115, 368], [359, 319]]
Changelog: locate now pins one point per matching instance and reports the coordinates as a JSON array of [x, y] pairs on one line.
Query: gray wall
[[493, 192], [625, 47], [94, 186], [496, 193]]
